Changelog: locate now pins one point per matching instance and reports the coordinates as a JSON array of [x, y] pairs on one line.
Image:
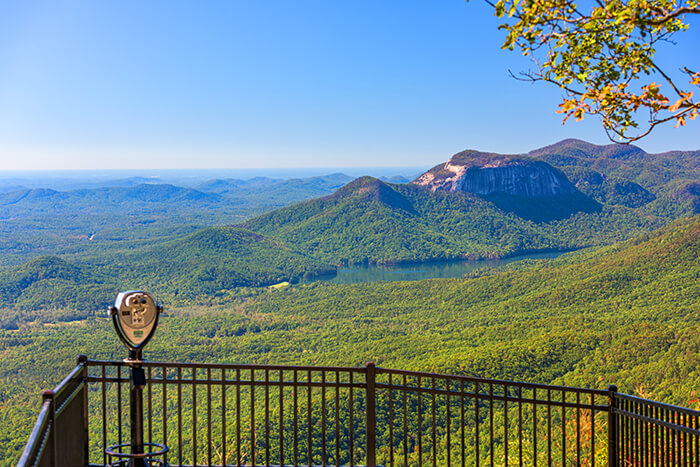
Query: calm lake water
[[415, 272]]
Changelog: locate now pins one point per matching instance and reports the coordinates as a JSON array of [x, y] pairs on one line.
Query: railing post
[[51, 431], [371, 415], [82, 360], [613, 455]]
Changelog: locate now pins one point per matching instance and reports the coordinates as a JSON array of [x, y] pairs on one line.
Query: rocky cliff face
[[487, 174]]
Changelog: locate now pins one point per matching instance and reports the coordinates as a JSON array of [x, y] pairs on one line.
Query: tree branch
[[670, 16]]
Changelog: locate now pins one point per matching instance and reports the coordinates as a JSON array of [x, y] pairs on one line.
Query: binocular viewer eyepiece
[[135, 317]]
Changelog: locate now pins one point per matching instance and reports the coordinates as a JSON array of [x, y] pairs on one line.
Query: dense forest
[[624, 314]]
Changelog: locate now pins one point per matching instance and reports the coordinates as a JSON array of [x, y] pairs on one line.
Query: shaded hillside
[[658, 173], [207, 263], [371, 221], [610, 190], [689, 195], [214, 260]]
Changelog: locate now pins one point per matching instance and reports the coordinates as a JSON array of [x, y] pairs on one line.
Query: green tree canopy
[[602, 55]]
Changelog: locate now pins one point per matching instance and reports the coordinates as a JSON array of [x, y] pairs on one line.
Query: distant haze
[[72, 179]]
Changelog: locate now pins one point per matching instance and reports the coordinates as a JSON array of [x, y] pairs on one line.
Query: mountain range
[[563, 197]]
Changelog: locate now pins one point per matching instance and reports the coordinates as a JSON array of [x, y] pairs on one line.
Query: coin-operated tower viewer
[[135, 317]]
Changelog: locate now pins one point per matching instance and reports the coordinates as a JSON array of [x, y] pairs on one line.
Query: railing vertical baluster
[[119, 402], [296, 418], [624, 433], [323, 417], [165, 410], [281, 387], [697, 436], [267, 417], [179, 415], [563, 427], [520, 426], [391, 422], [505, 423], [630, 434], [476, 423], [658, 433], [491, 448], [352, 422], [629, 407], [592, 415], [663, 439], [223, 416], [534, 426], [612, 427], [337, 418], [194, 416], [652, 411], [238, 417], [578, 427], [405, 421], [549, 427], [371, 414], [676, 440], [686, 452], [308, 419], [461, 424], [671, 438], [645, 435], [683, 440], [104, 414], [209, 416], [434, 440], [253, 444], [638, 435], [150, 407], [420, 421], [448, 443]]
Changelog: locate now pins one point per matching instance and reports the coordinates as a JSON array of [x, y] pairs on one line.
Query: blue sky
[[235, 84]]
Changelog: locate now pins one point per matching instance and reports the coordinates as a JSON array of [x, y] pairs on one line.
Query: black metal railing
[[217, 414], [60, 434], [651, 433]]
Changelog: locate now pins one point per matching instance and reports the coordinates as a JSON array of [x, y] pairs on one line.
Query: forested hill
[[624, 314], [614, 169], [372, 221], [209, 263]]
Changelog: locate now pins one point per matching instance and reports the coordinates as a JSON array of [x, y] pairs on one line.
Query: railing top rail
[[36, 438], [361, 370], [476, 379], [68, 379], [661, 405], [229, 366]]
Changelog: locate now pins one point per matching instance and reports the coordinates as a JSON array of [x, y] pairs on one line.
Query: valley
[[623, 314], [622, 308]]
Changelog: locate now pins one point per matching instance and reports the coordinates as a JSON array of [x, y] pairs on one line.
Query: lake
[[419, 271]]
